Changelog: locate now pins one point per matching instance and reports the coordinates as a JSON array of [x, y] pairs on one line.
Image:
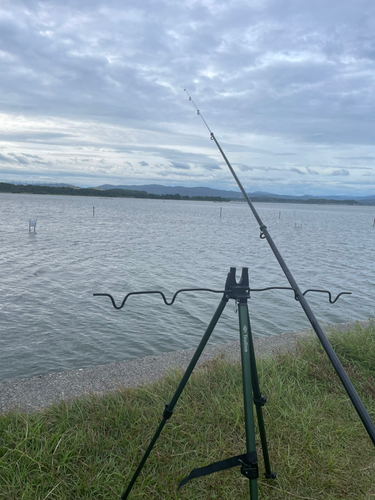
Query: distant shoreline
[[99, 193], [130, 193]]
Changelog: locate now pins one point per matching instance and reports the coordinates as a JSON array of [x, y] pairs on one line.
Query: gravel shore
[[35, 393]]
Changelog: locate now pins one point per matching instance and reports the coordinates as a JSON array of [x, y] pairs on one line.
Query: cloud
[[341, 171], [32, 136], [104, 82], [180, 165], [297, 170], [210, 166], [4, 159], [32, 156], [312, 171], [244, 168], [19, 159]]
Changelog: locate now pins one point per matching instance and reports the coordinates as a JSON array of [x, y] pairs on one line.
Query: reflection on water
[[51, 322]]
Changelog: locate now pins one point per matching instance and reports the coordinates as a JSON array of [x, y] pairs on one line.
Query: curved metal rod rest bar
[[329, 293], [156, 292], [212, 291], [304, 293]]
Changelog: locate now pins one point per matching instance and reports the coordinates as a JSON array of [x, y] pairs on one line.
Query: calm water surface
[[50, 321]]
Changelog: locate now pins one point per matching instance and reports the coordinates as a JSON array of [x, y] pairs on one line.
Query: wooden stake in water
[[93, 211], [221, 209]]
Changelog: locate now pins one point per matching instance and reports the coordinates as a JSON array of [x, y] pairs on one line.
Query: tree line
[[6, 187]]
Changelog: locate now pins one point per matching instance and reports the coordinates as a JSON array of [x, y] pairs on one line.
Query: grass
[[89, 448]]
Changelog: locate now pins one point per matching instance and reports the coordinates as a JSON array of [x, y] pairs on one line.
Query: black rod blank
[[355, 399], [352, 393]]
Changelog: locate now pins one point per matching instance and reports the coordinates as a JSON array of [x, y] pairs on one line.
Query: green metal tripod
[[240, 292]]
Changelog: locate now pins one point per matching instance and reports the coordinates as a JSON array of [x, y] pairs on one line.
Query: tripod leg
[[249, 470], [259, 401], [170, 406]]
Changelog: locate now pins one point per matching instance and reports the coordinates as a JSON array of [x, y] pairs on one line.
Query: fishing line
[[198, 112]]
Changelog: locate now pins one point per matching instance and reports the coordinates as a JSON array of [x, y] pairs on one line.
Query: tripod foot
[[271, 475]]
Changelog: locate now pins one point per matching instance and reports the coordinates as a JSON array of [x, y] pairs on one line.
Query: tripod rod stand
[[240, 292]]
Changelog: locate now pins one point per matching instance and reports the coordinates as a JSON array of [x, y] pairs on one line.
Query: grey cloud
[[211, 166], [180, 165], [5, 159], [269, 169], [266, 179], [341, 171], [312, 171], [244, 168], [142, 163], [32, 156], [297, 170], [43, 162]]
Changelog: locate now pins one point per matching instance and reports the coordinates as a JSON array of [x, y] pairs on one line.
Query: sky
[[92, 93]]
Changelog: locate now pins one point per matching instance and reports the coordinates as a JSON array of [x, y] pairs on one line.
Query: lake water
[[50, 321]]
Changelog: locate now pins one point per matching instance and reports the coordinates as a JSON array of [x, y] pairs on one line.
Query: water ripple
[[51, 322]]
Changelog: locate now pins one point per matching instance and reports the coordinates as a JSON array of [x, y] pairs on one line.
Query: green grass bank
[[88, 448]]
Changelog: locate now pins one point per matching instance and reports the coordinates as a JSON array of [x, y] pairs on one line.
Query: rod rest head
[[239, 291]]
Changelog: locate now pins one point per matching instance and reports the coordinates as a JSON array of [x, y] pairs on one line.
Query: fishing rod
[[264, 234]]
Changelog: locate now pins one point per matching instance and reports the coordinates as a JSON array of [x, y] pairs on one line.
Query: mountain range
[[234, 195]]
